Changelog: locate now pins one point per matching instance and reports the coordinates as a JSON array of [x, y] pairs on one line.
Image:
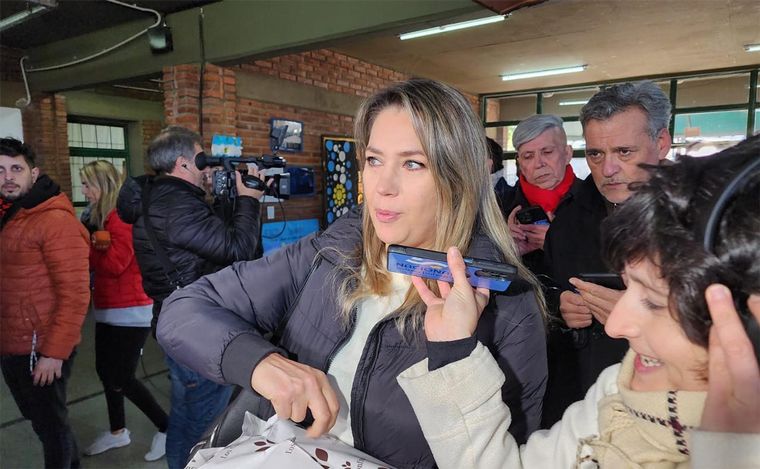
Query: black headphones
[[711, 230]]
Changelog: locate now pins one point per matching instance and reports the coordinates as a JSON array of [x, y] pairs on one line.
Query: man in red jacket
[[44, 294]]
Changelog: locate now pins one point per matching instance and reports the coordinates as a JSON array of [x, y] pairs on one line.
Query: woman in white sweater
[[685, 395]]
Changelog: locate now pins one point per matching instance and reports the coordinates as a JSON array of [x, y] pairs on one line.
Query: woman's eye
[[413, 165], [650, 305], [372, 161]]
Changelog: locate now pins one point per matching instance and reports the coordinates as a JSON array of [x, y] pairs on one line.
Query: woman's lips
[[386, 216], [643, 364]]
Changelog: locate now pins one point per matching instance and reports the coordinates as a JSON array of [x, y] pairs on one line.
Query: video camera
[[224, 179]]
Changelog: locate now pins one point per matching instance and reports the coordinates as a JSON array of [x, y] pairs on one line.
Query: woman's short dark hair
[[9, 146], [664, 222], [496, 153]]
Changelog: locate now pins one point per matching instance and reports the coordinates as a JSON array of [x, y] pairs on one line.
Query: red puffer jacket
[[118, 283], [43, 278]]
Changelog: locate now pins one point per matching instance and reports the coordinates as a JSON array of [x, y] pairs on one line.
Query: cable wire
[[109, 49]]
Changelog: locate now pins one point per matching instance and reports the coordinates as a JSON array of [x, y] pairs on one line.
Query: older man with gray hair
[[624, 125], [546, 177]]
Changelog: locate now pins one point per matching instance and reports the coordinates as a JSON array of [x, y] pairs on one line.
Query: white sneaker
[[157, 447], [107, 441]]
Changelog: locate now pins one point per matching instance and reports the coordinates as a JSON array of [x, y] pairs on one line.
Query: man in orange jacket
[[44, 294]]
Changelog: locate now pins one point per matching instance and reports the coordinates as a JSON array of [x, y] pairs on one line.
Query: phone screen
[[532, 215], [432, 265]]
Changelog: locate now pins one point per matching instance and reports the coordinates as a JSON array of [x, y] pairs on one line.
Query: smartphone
[[534, 215], [423, 263], [605, 279]]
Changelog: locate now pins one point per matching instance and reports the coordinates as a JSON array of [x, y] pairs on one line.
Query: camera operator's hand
[[574, 310], [599, 300], [244, 191], [293, 388]]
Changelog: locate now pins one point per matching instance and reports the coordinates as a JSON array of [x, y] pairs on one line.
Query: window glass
[[502, 135], [574, 132], [117, 138], [757, 121], [511, 108], [705, 133], [88, 136], [713, 91], [566, 103]]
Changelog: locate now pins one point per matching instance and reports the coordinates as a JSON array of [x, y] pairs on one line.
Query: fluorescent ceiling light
[[543, 73], [752, 47], [579, 102], [451, 27]]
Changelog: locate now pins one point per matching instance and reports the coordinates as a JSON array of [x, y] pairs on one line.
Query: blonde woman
[[348, 326], [122, 312]]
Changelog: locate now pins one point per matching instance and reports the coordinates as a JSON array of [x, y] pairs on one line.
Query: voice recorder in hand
[[432, 265]]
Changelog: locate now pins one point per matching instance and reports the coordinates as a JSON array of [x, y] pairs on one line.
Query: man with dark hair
[[624, 125], [44, 294], [190, 241]]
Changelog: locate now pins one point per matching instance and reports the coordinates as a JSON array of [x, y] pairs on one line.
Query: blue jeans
[[195, 403]]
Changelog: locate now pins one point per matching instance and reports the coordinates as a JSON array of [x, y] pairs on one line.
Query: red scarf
[[548, 199]]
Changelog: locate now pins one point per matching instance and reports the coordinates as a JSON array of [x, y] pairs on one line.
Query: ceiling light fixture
[[752, 47], [452, 27], [544, 73], [579, 102]]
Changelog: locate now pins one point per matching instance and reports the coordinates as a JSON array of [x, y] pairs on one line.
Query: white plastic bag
[[281, 444]]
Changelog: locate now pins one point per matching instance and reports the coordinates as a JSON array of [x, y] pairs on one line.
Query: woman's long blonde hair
[[455, 145], [102, 176]]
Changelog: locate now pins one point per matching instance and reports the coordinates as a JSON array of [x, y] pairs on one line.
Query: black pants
[[117, 351], [45, 406]]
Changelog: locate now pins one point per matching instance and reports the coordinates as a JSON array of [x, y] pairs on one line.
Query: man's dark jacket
[[217, 326], [196, 241], [573, 246]]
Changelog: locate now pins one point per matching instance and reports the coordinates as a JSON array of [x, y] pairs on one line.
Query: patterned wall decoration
[[342, 183]]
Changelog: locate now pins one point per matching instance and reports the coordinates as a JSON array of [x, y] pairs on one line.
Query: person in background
[[348, 325], [122, 313], [196, 240], [686, 393], [498, 180], [44, 295], [546, 179], [624, 126]]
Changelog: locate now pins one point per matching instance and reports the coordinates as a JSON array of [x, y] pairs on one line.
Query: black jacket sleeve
[[200, 231]]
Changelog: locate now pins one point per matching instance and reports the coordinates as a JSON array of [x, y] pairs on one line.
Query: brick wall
[[225, 113], [46, 130], [150, 129], [329, 70]]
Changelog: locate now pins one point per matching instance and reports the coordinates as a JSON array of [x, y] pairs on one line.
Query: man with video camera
[[178, 238]]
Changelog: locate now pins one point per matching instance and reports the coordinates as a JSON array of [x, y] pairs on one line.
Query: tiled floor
[[20, 448]]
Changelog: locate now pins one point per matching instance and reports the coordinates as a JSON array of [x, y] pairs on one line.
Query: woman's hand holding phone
[[732, 403], [453, 315]]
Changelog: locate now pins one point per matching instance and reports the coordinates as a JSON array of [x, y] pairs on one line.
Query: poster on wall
[[342, 183]]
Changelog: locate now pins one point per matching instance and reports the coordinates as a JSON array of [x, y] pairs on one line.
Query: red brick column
[[46, 130], [182, 107]]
